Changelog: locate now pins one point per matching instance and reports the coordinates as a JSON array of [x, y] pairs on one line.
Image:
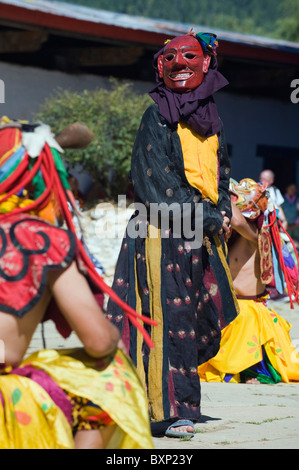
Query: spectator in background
[[291, 210], [268, 176]]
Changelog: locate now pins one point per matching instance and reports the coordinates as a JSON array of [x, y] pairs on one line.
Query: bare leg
[[94, 439]]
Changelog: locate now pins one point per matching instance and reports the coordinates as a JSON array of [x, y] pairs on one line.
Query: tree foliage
[[288, 25], [273, 18], [113, 116]]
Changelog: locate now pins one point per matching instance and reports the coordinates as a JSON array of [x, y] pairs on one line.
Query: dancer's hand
[[225, 224]]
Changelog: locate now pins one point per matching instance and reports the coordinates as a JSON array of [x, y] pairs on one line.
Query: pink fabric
[[47, 383]]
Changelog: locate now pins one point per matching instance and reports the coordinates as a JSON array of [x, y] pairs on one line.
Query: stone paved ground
[[235, 416]]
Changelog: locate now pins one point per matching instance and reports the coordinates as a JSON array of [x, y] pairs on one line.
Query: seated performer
[[256, 346], [85, 398]]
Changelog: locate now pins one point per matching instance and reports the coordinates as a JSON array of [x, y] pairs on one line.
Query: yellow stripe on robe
[[200, 161], [153, 260], [223, 258]]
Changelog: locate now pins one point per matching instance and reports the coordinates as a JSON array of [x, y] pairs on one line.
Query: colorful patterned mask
[[250, 197]]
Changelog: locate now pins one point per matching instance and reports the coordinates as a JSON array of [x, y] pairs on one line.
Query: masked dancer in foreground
[[85, 398]]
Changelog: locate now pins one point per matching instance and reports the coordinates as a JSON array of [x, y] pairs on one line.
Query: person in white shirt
[[268, 176]]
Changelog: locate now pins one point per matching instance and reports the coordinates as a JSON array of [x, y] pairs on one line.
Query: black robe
[[187, 290]]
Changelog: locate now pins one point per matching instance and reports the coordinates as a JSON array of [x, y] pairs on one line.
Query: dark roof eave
[[97, 29]]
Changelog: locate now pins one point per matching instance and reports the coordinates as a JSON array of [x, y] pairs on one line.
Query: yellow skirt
[[29, 419], [243, 340]]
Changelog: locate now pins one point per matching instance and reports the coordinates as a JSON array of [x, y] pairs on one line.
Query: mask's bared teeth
[[181, 75]]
